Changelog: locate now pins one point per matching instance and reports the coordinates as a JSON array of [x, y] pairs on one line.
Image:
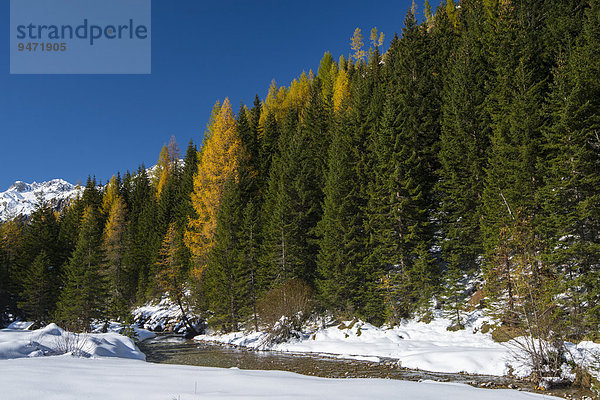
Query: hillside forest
[[459, 155]]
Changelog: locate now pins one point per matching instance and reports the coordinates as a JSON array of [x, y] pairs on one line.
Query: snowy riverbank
[[110, 366], [165, 315], [416, 345]]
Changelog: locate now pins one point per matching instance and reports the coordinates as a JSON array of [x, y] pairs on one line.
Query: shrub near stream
[[284, 309]]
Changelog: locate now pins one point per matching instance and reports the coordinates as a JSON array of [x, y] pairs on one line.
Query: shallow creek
[[174, 349]]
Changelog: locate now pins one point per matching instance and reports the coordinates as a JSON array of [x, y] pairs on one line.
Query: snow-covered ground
[[139, 333], [52, 340], [163, 315], [114, 369], [416, 345], [66, 378]]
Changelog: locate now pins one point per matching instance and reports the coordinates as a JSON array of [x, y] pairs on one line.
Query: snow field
[[114, 369], [68, 378]]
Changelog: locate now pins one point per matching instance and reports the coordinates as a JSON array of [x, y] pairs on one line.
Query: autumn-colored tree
[[167, 162], [341, 90], [114, 253], [451, 11], [356, 43], [428, 14], [218, 163], [376, 38], [298, 93], [161, 174], [274, 103], [111, 192], [327, 73]]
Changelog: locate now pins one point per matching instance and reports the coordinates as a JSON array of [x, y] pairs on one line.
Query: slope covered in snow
[[66, 378], [22, 198]]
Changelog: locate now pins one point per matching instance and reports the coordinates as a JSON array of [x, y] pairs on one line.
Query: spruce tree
[[269, 146], [249, 245], [464, 152], [41, 235], [225, 278], [571, 193], [38, 296], [404, 169], [327, 74], [293, 202], [512, 178], [341, 243], [83, 298], [183, 204], [11, 236], [142, 241]]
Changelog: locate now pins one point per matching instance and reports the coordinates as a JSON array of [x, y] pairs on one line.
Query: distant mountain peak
[[19, 186], [21, 198]]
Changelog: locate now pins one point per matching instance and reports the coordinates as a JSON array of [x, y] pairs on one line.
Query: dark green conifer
[[83, 298]]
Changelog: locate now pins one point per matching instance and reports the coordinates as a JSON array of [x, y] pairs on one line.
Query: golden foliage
[[341, 91], [356, 43], [162, 172], [281, 99], [114, 230], [297, 96], [218, 162], [376, 38], [10, 238], [167, 162], [110, 195]]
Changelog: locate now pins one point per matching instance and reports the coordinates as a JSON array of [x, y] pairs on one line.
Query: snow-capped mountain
[[22, 198]]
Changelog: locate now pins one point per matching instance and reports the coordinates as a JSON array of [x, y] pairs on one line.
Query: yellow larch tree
[[281, 99], [167, 162], [218, 162], [356, 43], [113, 245], [161, 171], [376, 38], [341, 90], [274, 102], [110, 194], [298, 94]]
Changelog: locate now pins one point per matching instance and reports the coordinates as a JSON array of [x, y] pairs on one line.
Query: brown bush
[[476, 299], [292, 301]]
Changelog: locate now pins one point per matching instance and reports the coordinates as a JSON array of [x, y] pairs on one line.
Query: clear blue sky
[[72, 126]]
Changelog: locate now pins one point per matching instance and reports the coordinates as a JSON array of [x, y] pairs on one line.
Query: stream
[[173, 349]]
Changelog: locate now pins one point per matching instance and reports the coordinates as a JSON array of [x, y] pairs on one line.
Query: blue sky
[[72, 126]]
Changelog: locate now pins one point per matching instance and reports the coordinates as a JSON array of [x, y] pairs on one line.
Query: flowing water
[[173, 349]]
